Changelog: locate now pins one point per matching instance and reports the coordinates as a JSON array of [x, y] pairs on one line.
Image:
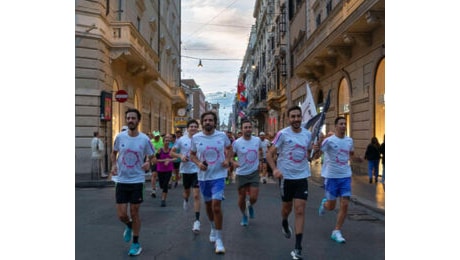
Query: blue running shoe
[[244, 221], [337, 236], [127, 234], [321, 209], [135, 249], [251, 211]]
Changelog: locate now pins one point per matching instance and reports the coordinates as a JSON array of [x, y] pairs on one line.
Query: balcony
[[128, 45], [179, 98], [275, 98], [349, 25]]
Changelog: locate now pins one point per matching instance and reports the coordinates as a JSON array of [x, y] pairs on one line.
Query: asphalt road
[[166, 232]]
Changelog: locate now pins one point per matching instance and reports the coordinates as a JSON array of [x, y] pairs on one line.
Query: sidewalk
[[371, 196]]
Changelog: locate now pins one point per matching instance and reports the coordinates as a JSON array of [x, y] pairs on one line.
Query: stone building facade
[[131, 46], [340, 46], [336, 45]]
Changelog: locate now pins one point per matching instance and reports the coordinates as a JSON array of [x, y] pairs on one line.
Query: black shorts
[[153, 167], [163, 180], [293, 189], [190, 180], [176, 165], [129, 193]]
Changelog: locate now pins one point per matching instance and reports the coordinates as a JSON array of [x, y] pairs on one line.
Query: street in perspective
[[166, 232]]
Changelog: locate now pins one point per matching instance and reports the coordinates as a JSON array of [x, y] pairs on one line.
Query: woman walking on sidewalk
[[372, 156]]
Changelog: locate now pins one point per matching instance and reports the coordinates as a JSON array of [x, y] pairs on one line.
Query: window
[[328, 7], [107, 7], [138, 23], [318, 20]]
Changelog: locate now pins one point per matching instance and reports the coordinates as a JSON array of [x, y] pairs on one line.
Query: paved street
[[166, 232]]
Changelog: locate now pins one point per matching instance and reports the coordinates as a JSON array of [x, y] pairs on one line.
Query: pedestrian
[[165, 167], [97, 149], [128, 163], [211, 152], [263, 160], [248, 148], [338, 150], [179, 134], [157, 143], [176, 164], [292, 145], [231, 168], [372, 156], [269, 169], [189, 171], [382, 152]]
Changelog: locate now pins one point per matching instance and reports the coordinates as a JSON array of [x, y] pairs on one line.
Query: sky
[[215, 30]]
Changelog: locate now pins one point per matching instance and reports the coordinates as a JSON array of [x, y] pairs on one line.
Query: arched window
[[344, 102], [379, 101]]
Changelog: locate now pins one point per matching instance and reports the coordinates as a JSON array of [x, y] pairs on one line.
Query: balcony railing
[[178, 96], [274, 94], [126, 38]]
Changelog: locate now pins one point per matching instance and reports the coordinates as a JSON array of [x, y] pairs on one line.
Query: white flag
[[308, 107]]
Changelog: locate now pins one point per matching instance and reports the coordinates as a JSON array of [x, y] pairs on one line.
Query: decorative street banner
[[242, 95]]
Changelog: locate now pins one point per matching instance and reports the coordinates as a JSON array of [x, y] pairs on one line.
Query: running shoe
[[251, 211], [196, 227], [220, 249], [153, 194], [212, 236], [287, 232], [135, 249], [244, 221], [127, 234], [337, 236], [185, 205], [163, 203], [296, 254], [321, 209]]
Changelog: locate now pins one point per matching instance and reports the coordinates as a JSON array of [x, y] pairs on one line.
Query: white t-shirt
[[265, 145], [336, 157], [184, 144], [211, 148], [248, 154], [131, 156], [292, 151], [97, 147]]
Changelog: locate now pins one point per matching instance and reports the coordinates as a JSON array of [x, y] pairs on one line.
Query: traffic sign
[[121, 96]]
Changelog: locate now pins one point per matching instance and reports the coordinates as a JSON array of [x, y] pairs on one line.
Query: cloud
[[215, 29]]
